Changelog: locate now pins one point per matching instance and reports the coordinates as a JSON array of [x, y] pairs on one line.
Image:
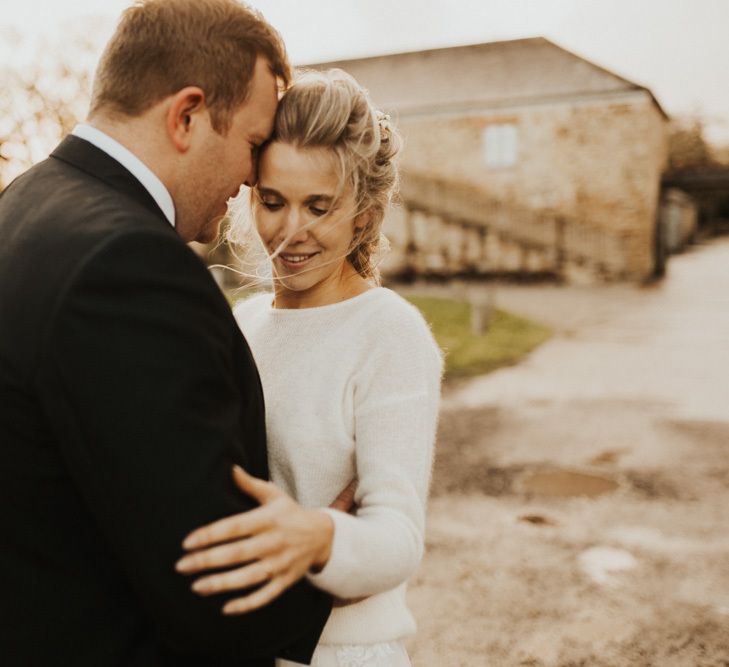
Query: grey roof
[[516, 71]]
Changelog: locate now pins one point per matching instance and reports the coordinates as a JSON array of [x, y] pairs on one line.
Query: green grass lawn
[[507, 340]]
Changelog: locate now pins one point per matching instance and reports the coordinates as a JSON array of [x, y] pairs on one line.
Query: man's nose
[[252, 177]]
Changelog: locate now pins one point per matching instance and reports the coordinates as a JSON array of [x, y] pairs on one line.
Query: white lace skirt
[[391, 654]]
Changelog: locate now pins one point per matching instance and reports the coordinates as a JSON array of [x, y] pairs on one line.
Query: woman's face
[[304, 222]]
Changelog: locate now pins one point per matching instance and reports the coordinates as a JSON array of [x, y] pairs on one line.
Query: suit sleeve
[[137, 381]]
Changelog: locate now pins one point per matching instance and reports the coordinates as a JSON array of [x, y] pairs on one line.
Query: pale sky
[[677, 48]]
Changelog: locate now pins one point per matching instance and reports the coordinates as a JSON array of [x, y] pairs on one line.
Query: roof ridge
[[538, 39]]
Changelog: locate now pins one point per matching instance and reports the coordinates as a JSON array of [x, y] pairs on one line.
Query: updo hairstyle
[[331, 110]]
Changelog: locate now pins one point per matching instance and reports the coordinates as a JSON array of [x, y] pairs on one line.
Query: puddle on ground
[[537, 519], [566, 483], [609, 456]]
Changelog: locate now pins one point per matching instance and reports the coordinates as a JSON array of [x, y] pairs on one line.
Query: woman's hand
[[275, 544], [344, 502]]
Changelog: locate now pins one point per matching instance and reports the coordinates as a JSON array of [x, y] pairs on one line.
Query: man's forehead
[[257, 122], [266, 110]]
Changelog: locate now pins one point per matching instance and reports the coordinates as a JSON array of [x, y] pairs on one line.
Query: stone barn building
[[521, 158]]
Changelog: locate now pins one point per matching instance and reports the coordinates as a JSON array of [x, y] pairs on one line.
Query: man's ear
[[183, 113]]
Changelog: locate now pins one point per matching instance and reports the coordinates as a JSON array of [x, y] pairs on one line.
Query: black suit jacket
[[126, 395]]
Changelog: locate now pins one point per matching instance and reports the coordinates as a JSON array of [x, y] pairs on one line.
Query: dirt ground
[[579, 506]]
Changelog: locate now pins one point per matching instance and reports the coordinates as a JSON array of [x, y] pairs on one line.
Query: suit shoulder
[[144, 252], [60, 202], [140, 271]]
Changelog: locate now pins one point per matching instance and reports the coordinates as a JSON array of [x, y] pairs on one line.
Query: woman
[[350, 370]]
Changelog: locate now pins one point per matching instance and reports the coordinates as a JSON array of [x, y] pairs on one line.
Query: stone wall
[[594, 164], [445, 230]]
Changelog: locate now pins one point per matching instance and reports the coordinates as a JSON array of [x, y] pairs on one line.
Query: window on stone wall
[[500, 145]]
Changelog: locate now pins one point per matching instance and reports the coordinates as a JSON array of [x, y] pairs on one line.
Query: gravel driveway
[[579, 514]]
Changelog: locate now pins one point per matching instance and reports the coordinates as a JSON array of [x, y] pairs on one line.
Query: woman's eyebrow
[[271, 192], [328, 199]]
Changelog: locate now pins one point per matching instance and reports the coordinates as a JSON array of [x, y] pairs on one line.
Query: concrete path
[[524, 566]]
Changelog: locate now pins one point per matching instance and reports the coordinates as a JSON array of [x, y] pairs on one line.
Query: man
[[127, 393]]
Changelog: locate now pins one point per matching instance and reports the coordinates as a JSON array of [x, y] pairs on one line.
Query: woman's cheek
[[265, 227]]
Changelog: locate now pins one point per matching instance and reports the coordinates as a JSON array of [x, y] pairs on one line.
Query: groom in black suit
[[126, 390]]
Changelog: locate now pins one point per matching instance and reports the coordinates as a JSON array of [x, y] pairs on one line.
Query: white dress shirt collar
[[131, 163]]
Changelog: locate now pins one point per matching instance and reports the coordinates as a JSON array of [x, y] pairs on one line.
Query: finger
[[259, 489], [235, 580], [343, 503], [233, 527], [235, 553], [345, 500], [259, 598], [348, 491]]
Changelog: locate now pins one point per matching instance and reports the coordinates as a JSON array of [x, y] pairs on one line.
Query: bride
[[350, 371]]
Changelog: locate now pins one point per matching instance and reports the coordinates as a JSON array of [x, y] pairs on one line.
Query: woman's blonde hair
[[331, 110]]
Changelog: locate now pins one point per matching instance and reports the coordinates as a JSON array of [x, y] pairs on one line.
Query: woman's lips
[[296, 260]]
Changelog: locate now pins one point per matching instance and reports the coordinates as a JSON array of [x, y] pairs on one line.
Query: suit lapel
[[95, 162]]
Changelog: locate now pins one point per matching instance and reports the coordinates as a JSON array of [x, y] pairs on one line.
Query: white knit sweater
[[352, 389]]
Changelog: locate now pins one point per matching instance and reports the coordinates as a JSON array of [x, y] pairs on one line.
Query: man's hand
[[276, 543]]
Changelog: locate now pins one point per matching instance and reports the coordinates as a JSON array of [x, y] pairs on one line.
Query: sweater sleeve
[[396, 409]]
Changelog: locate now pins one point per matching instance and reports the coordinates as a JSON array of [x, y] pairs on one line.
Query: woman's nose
[[296, 230]]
